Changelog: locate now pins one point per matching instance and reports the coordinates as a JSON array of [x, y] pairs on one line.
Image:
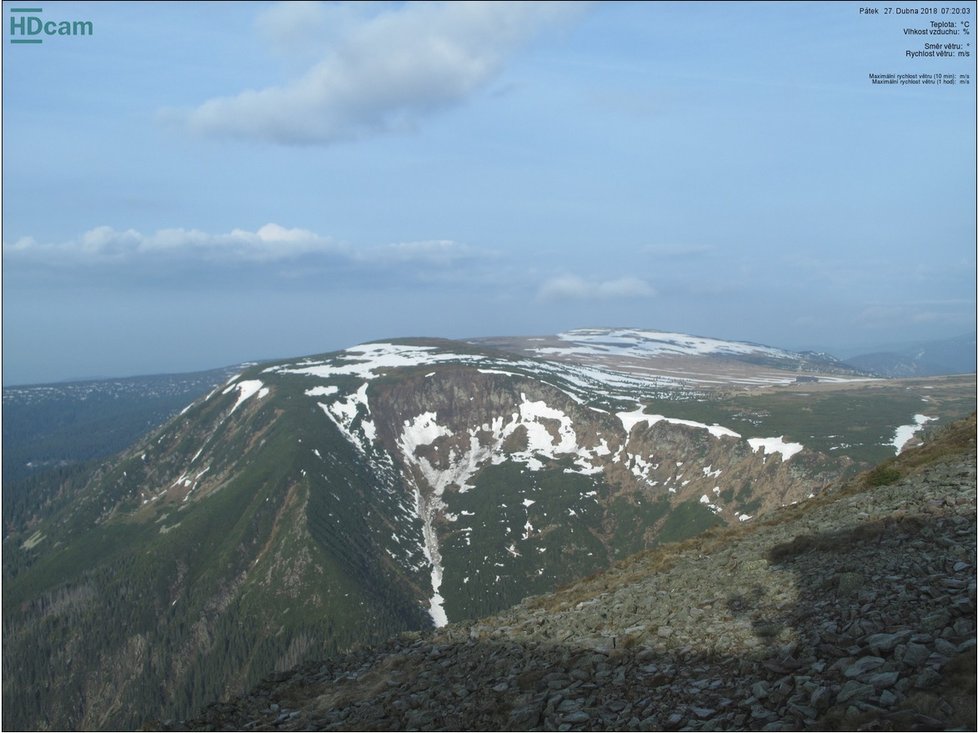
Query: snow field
[[904, 433]]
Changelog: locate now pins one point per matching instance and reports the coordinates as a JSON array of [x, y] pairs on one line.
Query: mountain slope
[[48, 424], [852, 612], [310, 505], [54, 432]]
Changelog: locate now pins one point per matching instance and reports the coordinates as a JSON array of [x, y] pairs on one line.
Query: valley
[[854, 611], [309, 506]]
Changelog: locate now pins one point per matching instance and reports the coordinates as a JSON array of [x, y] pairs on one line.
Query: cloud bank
[[106, 246], [384, 73], [572, 287]]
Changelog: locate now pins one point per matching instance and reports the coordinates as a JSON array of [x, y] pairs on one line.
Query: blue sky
[[199, 184]]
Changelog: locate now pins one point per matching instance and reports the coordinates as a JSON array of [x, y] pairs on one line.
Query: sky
[[194, 185]]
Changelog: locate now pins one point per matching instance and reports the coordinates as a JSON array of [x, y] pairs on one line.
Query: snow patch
[[426, 512], [715, 508], [322, 391], [500, 371], [775, 445], [421, 430], [245, 390], [631, 419], [642, 343], [904, 433], [371, 360]]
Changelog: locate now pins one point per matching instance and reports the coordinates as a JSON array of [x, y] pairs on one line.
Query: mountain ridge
[[315, 503]]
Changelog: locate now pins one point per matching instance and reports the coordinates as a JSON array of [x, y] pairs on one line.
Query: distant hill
[[921, 359], [66, 422], [52, 431]]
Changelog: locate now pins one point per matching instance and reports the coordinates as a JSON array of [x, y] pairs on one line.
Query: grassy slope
[[194, 600]]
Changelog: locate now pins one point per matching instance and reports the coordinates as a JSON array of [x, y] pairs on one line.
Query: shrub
[[882, 475]]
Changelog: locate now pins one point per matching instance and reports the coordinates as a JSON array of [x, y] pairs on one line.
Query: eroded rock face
[[856, 610], [522, 488], [476, 479]]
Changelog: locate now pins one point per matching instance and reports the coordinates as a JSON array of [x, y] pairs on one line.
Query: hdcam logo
[[27, 27]]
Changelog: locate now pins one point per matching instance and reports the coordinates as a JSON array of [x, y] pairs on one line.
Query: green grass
[[563, 543], [882, 475], [855, 423], [687, 520]]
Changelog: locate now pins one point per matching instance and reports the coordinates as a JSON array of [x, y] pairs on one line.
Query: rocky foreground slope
[[855, 610]]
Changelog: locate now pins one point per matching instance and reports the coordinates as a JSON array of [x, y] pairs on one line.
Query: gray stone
[[882, 642], [888, 699], [945, 647], [524, 717], [882, 680], [964, 626], [864, 665], [854, 690], [937, 620], [569, 706], [915, 655], [804, 711], [576, 717], [821, 698]]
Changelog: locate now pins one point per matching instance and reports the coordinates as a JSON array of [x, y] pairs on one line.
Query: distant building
[[806, 379]]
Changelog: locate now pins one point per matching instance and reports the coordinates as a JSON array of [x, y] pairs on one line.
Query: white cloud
[[105, 245], [385, 73], [434, 252], [298, 28], [572, 287]]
